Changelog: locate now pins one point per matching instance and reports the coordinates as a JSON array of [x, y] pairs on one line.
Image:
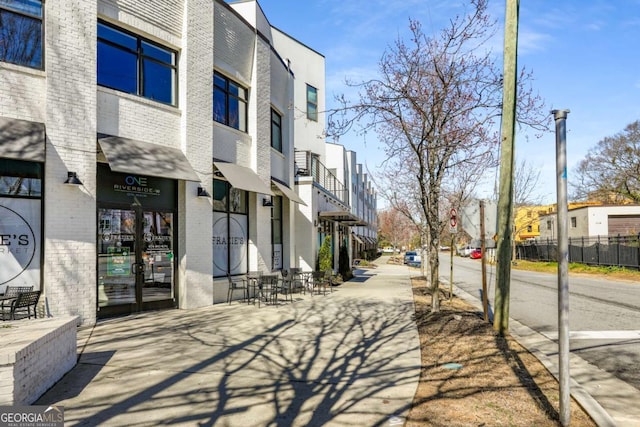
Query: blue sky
[[584, 56]]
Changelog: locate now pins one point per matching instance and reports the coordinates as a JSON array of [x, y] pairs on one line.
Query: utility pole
[[507, 143], [560, 117], [483, 261]]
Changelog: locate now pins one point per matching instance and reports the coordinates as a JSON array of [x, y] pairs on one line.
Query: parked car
[[410, 256], [465, 251], [476, 254]]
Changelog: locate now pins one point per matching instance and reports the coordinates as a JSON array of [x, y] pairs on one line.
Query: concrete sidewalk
[[351, 357]]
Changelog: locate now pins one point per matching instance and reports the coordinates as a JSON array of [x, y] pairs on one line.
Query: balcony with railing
[[308, 164]]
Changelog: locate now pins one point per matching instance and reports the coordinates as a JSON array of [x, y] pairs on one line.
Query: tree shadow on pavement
[[318, 361]]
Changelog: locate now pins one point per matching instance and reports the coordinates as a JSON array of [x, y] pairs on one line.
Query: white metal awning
[[344, 217], [22, 140], [243, 178], [143, 158], [289, 193]]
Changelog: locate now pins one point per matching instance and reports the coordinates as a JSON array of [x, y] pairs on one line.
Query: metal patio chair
[[237, 284]]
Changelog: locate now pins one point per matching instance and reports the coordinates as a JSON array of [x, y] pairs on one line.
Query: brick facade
[[64, 96]]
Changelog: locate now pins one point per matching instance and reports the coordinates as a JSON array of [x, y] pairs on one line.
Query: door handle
[[137, 267]]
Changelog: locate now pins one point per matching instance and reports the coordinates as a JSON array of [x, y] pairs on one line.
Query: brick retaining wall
[[35, 354]]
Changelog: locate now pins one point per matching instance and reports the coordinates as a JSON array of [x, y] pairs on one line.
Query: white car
[[465, 251]]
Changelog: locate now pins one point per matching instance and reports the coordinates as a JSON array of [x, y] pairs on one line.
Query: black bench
[[22, 306]]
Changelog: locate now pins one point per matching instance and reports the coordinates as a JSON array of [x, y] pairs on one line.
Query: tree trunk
[[434, 263], [434, 260]]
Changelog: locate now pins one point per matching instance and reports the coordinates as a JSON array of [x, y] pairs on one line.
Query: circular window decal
[[17, 244], [233, 246]]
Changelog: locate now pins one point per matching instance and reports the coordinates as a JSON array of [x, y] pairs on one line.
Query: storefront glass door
[[135, 260]]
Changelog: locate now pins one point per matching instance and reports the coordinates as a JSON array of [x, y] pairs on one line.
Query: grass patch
[[613, 272]]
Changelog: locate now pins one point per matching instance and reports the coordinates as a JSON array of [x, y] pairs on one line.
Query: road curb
[[538, 345]]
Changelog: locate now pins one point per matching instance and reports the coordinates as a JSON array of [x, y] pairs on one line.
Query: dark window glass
[[117, 68], [28, 7], [229, 103], [158, 82], [219, 81], [234, 113], [220, 189], [122, 40], [161, 54], [219, 106], [276, 220], [234, 89], [21, 32], [312, 103], [276, 130], [19, 178], [132, 64], [238, 201]]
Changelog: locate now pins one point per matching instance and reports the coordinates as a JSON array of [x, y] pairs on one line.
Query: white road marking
[[596, 335]]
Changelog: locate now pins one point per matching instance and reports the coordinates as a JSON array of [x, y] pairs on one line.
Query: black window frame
[[8, 9], [21, 178], [141, 60], [312, 113], [229, 95], [277, 226], [277, 213], [229, 200], [276, 124]]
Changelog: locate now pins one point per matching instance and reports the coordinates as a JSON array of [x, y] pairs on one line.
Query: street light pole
[[560, 117]]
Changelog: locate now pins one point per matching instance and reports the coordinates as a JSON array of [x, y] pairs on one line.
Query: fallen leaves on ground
[[471, 376]]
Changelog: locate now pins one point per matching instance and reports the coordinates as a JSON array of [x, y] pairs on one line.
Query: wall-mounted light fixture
[[202, 192], [72, 179], [267, 201]]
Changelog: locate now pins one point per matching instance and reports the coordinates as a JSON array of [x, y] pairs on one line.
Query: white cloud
[[532, 41]]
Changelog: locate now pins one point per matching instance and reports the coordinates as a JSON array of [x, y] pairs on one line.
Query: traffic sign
[[453, 221]]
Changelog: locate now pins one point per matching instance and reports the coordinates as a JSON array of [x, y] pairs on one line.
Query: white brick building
[[152, 105]]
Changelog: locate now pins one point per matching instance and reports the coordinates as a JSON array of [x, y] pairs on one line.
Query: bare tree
[[526, 182], [433, 106], [611, 170], [526, 195], [395, 227]]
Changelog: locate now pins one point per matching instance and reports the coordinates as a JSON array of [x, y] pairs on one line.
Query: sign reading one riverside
[[32, 416]]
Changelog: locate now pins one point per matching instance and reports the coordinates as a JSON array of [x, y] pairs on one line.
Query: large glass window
[[230, 229], [20, 179], [276, 233], [20, 222], [132, 64], [21, 32], [312, 103], [229, 103], [276, 130]]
